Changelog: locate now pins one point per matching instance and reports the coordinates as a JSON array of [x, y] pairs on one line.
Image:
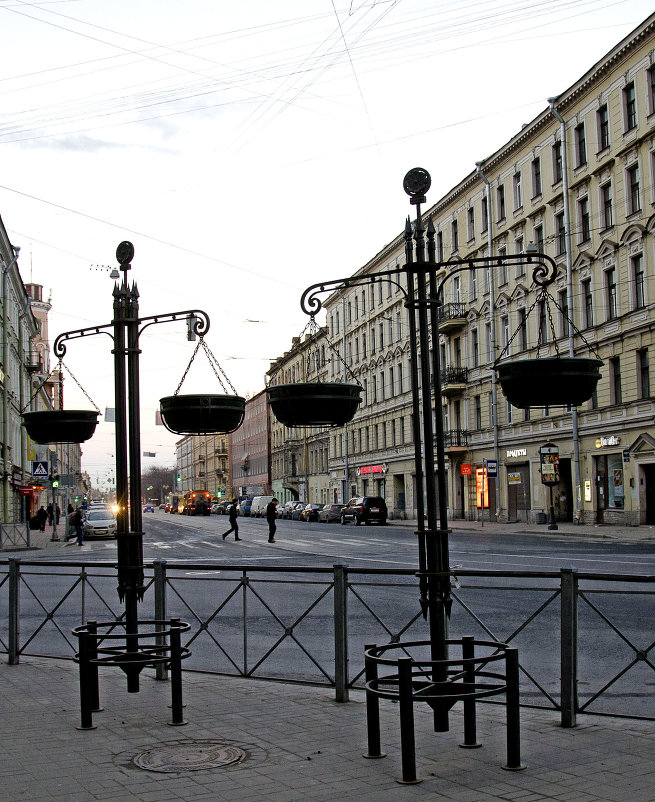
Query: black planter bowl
[[549, 382], [60, 425], [314, 403], [202, 414]]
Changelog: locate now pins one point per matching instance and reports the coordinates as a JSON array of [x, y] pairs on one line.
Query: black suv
[[365, 510]]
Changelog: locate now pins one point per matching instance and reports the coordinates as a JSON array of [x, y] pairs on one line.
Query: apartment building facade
[[579, 183]]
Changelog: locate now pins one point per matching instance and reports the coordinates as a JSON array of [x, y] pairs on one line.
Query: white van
[[259, 504]]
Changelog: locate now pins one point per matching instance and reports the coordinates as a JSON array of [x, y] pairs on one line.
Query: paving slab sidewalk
[[296, 743]]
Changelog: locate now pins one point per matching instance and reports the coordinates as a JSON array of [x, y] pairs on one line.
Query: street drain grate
[[189, 756]]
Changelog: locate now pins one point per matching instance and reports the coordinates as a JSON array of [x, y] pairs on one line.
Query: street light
[[423, 292], [125, 330]]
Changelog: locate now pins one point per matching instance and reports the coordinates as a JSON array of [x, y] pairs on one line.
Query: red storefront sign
[[465, 469]]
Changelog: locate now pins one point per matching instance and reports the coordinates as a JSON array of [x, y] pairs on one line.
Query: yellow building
[[579, 183]]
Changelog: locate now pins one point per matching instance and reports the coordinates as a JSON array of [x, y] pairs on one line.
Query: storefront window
[[615, 494]]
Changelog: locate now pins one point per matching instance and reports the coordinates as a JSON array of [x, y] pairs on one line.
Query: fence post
[[14, 611], [159, 566], [569, 646], [341, 632]]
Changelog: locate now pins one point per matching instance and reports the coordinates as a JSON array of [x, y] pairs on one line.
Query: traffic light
[[55, 480]]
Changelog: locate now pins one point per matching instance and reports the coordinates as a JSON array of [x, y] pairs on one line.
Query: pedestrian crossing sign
[[40, 468]]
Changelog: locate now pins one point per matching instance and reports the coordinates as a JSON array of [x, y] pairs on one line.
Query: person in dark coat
[[271, 517], [50, 512], [42, 516], [232, 515]]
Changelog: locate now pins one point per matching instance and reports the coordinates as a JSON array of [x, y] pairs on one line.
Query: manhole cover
[[189, 756]]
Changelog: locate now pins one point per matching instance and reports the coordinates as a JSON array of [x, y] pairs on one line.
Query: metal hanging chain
[[60, 365], [545, 296], [214, 365], [342, 360], [89, 399]]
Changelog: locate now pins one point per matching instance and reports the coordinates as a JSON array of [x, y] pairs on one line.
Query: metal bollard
[[512, 708], [86, 712], [176, 675], [470, 723], [372, 708], [94, 689], [406, 703]]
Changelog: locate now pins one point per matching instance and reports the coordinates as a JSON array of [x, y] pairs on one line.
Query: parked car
[[331, 513], [216, 509], [365, 510], [99, 523], [163, 507], [149, 508], [244, 507], [259, 504], [296, 512], [224, 506], [286, 509], [310, 513]]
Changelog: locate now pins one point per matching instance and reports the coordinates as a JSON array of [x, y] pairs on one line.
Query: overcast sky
[[249, 149]]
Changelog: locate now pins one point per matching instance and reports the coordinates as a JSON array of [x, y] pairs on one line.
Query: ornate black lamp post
[[424, 279], [100, 643]]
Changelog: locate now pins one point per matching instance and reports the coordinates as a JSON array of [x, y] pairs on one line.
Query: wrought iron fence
[[14, 536], [585, 640]]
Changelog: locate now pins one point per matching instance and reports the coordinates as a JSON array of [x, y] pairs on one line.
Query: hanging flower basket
[[202, 414], [60, 425], [553, 381], [314, 403]]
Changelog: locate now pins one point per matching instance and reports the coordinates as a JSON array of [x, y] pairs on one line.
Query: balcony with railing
[[453, 380], [456, 440], [451, 317]]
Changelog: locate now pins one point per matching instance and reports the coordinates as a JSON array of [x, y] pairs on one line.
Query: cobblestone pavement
[[290, 742]]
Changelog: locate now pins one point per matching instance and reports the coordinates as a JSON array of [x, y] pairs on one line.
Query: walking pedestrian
[[50, 513], [271, 517], [234, 526], [42, 516], [78, 523]]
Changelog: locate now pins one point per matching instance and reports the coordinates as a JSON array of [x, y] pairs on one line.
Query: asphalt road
[[289, 630]]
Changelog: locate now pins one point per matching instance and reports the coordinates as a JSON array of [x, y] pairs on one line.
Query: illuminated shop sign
[[612, 440], [517, 452], [366, 469]]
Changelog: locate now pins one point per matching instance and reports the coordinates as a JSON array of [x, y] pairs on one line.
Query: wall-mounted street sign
[[40, 468], [492, 468], [513, 478]]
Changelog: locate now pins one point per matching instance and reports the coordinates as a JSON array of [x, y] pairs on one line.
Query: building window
[[504, 325], [485, 214], [630, 106], [538, 233], [580, 145], [634, 202], [470, 218], [382, 386], [374, 387], [588, 303], [518, 191], [536, 177], [500, 199], [637, 264], [440, 246], [475, 348], [584, 222], [381, 327], [454, 235], [391, 387], [523, 329], [603, 124], [356, 349], [356, 307], [560, 233], [363, 346], [372, 340], [477, 412], [606, 205], [644, 373], [473, 283], [563, 303], [650, 80], [363, 302], [616, 395], [557, 162], [543, 322], [502, 268], [610, 293]]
